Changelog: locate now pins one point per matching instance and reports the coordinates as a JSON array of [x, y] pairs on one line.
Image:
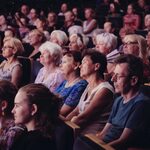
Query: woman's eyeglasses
[[7, 47], [130, 43]]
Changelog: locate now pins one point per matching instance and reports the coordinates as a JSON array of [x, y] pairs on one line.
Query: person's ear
[[4, 105], [40, 38], [34, 109], [81, 46], [134, 80], [14, 51], [77, 65], [97, 66]]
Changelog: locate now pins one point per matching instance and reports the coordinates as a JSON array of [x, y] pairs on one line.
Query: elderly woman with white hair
[[106, 43], [50, 75], [78, 42], [59, 37]]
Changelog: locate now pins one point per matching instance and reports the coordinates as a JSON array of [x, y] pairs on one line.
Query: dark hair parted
[[77, 57], [8, 92], [97, 57], [135, 66], [47, 104]]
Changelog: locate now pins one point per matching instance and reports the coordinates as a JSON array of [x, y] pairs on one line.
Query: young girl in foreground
[[36, 108]]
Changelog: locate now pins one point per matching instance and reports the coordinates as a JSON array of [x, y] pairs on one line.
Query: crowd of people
[[87, 67]]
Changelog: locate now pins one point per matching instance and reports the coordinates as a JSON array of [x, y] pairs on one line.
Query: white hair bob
[[54, 49], [109, 39], [61, 36]]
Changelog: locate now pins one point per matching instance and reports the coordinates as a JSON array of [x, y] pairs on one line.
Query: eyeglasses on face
[[118, 77], [7, 47], [148, 36], [130, 43]]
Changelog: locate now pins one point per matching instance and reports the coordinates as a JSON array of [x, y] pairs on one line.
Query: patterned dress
[[53, 79], [6, 74], [9, 133], [71, 95]]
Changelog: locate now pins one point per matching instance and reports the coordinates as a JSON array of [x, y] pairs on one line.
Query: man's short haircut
[[135, 65]]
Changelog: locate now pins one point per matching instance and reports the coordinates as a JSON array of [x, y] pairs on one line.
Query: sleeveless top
[[7, 74], [85, 100], [87, 25], [52, 81]]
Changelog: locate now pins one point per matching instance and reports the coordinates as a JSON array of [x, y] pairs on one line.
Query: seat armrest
[[95, 139]]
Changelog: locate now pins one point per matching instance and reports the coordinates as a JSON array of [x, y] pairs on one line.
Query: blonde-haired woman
[[11, 69], [50, 75], [36, 38], [136, 45]]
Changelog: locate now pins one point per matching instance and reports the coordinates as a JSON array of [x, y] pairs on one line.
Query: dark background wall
[[13, 5]]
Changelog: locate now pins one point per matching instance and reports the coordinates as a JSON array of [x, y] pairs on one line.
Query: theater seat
[[89, 142], [26, 65], [65, 134], [145, 89]]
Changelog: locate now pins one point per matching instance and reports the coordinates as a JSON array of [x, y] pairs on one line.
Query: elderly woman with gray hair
[[59, 37], [106, 43], [50, 75], [78, 42]]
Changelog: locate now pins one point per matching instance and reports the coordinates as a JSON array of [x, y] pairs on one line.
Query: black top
[[34, 140]]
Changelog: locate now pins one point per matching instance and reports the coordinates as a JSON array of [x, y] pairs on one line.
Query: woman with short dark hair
[[94, 106], [72, 88]]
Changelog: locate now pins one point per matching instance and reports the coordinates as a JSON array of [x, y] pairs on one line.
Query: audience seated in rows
[[101, 31]]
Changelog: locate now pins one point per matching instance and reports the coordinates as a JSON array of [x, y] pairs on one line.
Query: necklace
[[72, 83]]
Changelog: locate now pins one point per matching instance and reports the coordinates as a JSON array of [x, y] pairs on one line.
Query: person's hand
[[99, 135], [74, 119], [62, 118]]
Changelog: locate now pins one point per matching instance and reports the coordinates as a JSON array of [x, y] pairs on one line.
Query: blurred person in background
[[90, 24], [78, 42]]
